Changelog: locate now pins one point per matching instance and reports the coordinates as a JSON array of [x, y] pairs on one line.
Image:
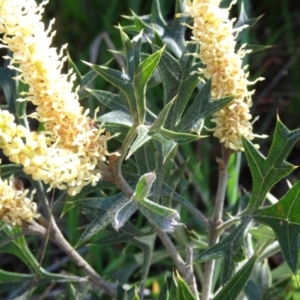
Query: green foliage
[[284, 218], [180, 289], [201, 108], [231, 248], [20, 282], [236, 284], [136, 222], [268, 171], [104, 211]]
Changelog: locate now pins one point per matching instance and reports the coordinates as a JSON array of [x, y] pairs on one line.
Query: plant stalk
[[214, 233], [57, 237], [185, 268]]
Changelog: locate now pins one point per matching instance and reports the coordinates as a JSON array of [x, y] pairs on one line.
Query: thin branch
[[227, 224], [115, 167], [126, 144], [48, 210], [189, 265], [185, 269], [56, 237], [217, 221]]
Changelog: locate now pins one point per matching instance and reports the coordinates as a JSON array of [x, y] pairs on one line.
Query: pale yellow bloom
[[213, 30], [40, 66], [15, 207], [71, 144], [59, 167]]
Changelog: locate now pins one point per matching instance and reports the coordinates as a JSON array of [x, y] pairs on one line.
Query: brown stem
[[189, 264], [57, 237], [184, 268], [214, 233]]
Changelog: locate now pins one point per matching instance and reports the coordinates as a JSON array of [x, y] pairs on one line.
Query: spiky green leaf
[[159, 216], [231, 248], [123, 82], [145, 161], [183, 290], [109, 99], [142, 138], [201, 108], [132, 53], [170, 193], [162, 117], [179, 137], [119, 79], [143, 186], [266, 171], [236, 284], [14, 277], [284, 218], [104, 211], [117, 117], [167, 145], [141, 77], [123, 214]]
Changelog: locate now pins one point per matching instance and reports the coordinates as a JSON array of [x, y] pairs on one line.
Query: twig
[[48, 209], [56, 237], [189, 265], [185, 269], [214, 233], [227, 224]]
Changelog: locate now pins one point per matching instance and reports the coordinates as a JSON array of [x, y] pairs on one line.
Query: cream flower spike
[[60, 168], [39, 65], [224, 67], [15, 207], [66, 154]]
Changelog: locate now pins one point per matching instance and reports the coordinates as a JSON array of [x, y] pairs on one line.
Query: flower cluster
[[59, 167], [15, 207], [66, 153], [40, 67], [213, 30]]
